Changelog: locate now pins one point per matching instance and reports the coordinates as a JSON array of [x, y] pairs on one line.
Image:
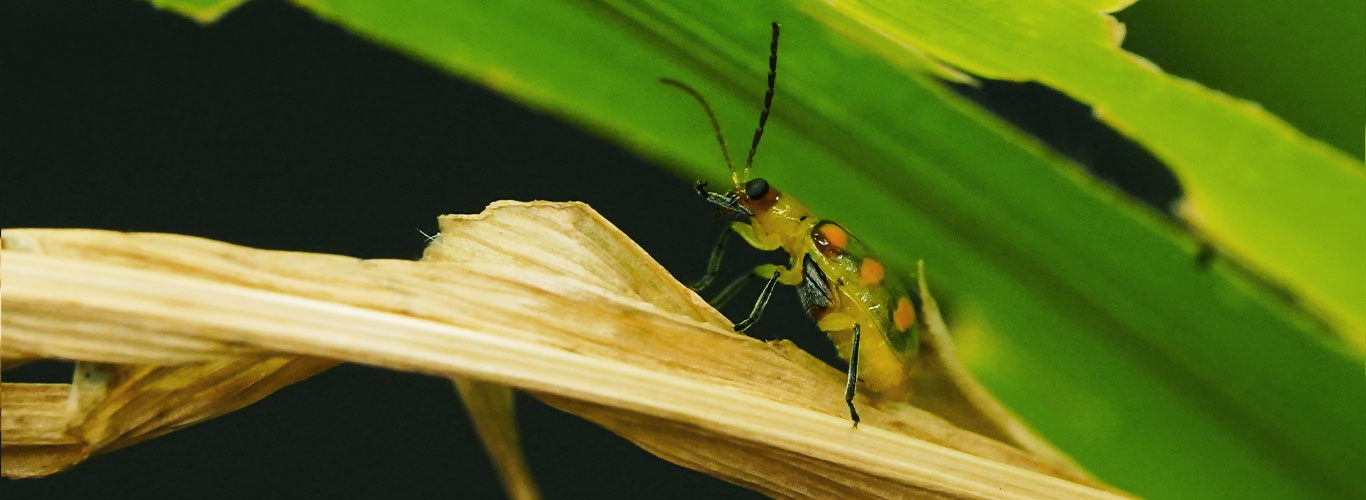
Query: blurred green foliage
[[204, 11], [1303, 61]]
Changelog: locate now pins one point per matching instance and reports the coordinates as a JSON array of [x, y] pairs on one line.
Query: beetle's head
[[746, 199]]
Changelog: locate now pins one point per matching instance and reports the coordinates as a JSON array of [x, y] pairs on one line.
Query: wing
[[864, 280]]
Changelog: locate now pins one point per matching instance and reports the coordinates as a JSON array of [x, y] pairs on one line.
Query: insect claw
[[701, 188]]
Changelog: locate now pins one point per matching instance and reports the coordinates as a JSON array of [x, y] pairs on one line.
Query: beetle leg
[[836, 324], [759, 305], [852, 383], [713, 262], [730, 290]]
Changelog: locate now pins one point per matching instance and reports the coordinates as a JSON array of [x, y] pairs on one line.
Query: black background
[[273, 129]]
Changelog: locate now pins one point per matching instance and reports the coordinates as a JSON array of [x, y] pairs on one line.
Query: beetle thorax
[[783, 222]]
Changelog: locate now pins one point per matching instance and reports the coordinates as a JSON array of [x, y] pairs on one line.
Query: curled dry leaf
[[544, 297]]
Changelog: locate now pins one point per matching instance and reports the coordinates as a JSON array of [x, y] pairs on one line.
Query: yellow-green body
[[868, 312], [858, 289]]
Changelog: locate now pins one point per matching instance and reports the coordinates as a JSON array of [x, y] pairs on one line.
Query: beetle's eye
[[756, 189]]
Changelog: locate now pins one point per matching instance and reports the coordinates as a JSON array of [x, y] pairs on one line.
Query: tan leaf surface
[[543, 297]]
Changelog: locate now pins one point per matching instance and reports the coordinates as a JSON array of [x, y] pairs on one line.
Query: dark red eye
[[756, 189]]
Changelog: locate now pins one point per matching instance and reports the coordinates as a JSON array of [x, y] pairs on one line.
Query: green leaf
[[1280, 201], [204, 11], [1083, 311], [1287, 56]]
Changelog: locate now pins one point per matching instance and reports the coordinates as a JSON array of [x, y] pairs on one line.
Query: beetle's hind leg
[[852, 383], [839, 325]]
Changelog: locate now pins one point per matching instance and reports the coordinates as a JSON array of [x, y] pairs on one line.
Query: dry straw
[[548, 298]]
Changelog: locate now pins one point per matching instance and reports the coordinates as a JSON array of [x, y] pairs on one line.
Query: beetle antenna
[[715, 125], [768, 99]]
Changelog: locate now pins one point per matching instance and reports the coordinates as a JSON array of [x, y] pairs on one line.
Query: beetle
[[842, 285]]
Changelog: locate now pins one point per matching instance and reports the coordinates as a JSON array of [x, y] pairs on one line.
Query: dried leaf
[[491, 408], [544, 297]]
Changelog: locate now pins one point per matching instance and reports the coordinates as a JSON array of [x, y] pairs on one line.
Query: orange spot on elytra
[[871, 272], [904, 315], [835, 237]]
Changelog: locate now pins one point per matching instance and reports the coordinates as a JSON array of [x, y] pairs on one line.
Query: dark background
[[273, 129]]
